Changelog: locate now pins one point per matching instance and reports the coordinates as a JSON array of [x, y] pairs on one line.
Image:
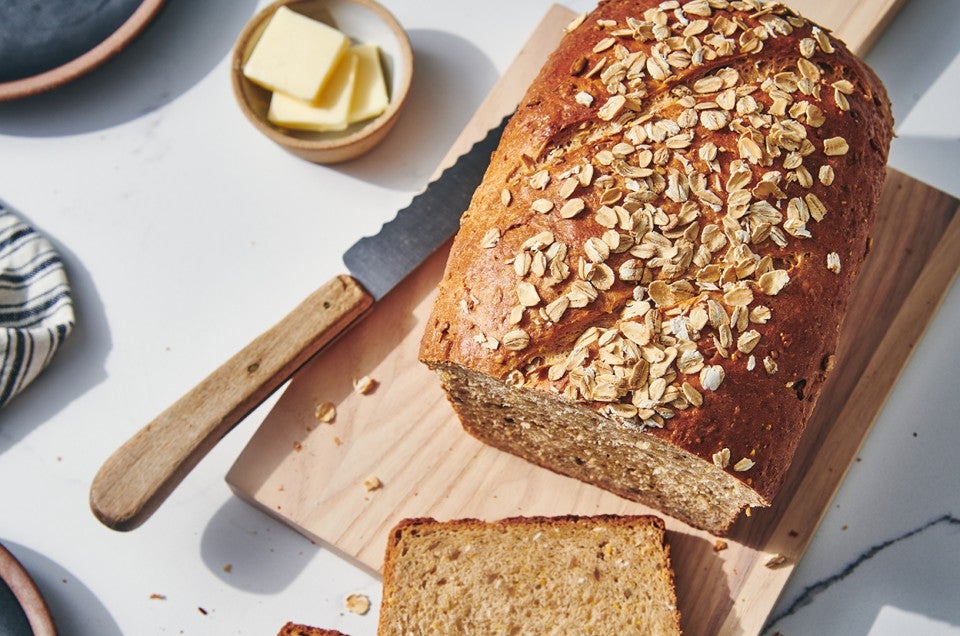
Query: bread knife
[[141, 474]]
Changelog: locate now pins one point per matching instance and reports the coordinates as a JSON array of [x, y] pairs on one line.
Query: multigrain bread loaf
[[534, 575], [646, 290]]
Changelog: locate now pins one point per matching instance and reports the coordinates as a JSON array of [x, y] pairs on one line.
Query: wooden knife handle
[[139, 476]]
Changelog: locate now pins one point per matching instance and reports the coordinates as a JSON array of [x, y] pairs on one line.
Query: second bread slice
[[534, 575]]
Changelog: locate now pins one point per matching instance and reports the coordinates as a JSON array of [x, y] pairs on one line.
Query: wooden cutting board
[[310, 475]]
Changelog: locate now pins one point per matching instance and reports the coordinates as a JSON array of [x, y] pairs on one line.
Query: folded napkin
[[36, 311]]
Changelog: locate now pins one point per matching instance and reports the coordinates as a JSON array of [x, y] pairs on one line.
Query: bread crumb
[[337, 441], [720, 545], [357, 603], [228, 568], [372, 483], [776, 561], [297, 446], [158, 597], [365, 385], [326, 412]]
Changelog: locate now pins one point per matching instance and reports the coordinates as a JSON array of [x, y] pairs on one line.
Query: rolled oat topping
[[691, 193]]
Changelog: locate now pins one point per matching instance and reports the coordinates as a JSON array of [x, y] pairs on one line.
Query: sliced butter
[[370, 95], [329, 112], [295, 55]]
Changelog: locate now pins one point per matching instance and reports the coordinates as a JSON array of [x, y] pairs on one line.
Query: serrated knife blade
[[381, 261], [133, 482]]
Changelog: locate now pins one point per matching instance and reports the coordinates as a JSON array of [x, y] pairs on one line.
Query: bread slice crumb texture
[[564, 575]]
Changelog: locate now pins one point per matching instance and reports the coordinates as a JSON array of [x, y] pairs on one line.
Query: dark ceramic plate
[[45, 43], [22, 608]]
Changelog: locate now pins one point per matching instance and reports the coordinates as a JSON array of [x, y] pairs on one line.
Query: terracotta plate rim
[[27, 594], [86, 62]]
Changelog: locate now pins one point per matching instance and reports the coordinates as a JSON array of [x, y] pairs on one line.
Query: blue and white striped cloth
[[36, 311]]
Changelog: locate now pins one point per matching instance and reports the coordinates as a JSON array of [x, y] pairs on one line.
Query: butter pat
[[370, 94], [329, 112], [295, 55]]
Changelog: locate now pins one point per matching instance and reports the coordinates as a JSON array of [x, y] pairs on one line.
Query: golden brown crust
[[298, 629], [756, 414]]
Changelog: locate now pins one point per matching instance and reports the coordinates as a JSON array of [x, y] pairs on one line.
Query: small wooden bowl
[[362, 21]]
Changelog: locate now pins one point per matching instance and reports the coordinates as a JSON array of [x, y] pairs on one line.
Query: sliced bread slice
[[529, 575]]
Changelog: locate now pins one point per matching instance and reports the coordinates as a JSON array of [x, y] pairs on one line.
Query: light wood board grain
[[856, 23], [310, 474]]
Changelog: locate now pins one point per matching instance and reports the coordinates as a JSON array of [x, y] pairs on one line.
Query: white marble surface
[[185, 234]]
